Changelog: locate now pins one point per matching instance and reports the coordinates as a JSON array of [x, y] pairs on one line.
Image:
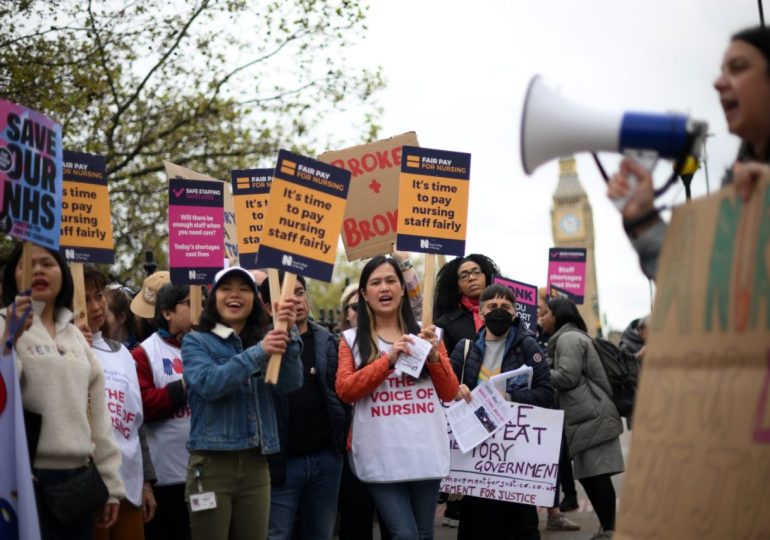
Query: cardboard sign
[[231, 244], [700, 460], [369, 226], [567, 272], [86, 230], [526, 300], [307, 204], [195, 230], [251, 188], [30, 174], [433, 201], [519, 463]]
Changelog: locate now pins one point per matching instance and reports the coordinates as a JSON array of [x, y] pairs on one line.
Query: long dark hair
[[10, 290], [565, 311], [257, 323], [446, 296], [366, 334]]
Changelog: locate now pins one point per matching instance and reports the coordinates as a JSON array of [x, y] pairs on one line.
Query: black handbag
[[71, 500]]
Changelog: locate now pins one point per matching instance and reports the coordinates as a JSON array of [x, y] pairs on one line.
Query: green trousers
[[240, 480]]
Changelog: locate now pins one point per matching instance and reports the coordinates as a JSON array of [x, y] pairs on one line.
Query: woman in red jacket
[[399, 444]]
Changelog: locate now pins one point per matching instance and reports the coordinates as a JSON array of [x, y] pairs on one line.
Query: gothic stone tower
[[572, 225]]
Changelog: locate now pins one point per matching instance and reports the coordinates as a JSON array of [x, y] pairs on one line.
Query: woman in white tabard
[[124, 403], [398, 443]]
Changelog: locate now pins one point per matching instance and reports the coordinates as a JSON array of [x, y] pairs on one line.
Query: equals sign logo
[[413, 161], [288, 167]]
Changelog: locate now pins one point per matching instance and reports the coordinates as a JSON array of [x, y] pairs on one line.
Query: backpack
[[622, 370]]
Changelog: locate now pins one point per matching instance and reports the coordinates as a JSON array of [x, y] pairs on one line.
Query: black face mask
[[498, 321]]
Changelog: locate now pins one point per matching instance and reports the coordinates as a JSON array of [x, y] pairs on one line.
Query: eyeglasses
[[468, 274], [354, 307]]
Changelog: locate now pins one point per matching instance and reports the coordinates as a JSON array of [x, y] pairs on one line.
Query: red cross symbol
[[374, 185]]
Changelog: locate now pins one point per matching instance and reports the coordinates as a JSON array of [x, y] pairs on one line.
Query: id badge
[[203, 501]]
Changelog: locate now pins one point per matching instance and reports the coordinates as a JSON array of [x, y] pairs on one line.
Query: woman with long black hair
[[399, 443]]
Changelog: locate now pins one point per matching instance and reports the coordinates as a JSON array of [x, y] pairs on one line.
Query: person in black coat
[[503, 344]]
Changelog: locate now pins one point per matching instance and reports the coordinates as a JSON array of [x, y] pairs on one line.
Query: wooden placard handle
[[429, 283], [79, 298], [274, 365], [196, 303], [26, 266]]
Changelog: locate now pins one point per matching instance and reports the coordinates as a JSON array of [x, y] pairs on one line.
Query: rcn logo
[[286, 260], [192, 274], [69, 254], [424, 243]]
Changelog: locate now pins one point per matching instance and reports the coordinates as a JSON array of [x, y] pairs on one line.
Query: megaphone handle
[[647, 159]]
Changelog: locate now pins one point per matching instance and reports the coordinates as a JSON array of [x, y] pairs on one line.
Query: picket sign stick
[[26, 266], [440, 261], [275, 288], [274, 365], [79, 298], [196, 303], [428, 284]]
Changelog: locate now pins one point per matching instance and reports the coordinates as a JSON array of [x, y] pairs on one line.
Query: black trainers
[[569, 503]]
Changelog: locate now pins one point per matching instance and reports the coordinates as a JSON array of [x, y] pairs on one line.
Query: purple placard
[[567, 271], [30, 175], [196, 229], [526, 300]]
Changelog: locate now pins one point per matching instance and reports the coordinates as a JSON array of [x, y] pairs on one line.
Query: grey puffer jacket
[[582, 390]]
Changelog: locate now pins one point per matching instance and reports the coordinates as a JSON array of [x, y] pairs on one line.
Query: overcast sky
[[457, 72]]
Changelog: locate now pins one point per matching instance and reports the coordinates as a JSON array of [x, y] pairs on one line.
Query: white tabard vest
[[399, 430], [167, 439], [124, 402]]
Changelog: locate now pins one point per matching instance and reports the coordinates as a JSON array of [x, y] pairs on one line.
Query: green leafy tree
[[213, 85]]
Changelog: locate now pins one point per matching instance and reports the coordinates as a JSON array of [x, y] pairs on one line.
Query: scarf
[[472, 305]]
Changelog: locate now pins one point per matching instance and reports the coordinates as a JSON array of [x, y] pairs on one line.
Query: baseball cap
[[143, 304]]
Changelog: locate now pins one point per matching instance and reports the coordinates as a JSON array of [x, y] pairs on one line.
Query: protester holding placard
[[398, 442], [63, 382], [503, 344], [124, 403], [592, 422], [305, 473], [744, 91], [233, 425], [456, 311], [164, 399]]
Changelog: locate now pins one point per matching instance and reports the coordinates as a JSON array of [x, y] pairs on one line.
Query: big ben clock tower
[[572, 225]]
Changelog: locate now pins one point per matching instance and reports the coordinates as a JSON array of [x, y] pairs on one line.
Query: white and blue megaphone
[[552, 127]]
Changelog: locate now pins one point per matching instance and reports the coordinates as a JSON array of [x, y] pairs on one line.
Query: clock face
[[569, 224]]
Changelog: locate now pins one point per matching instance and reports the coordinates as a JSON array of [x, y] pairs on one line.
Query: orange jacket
[[353, 384]]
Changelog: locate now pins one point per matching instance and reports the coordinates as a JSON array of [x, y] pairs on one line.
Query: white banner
[[519, 463], [18, 512]]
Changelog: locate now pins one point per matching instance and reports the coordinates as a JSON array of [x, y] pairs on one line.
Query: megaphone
[[552, 126]]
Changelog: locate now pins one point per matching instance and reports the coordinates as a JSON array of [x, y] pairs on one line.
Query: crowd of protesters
[[178, 425]]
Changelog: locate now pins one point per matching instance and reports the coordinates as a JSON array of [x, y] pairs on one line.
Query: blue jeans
[[408, 508], [311, 488]]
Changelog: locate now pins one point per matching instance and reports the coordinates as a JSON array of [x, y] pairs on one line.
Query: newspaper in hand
[[412, 363], [473, 423], [515, 379]]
